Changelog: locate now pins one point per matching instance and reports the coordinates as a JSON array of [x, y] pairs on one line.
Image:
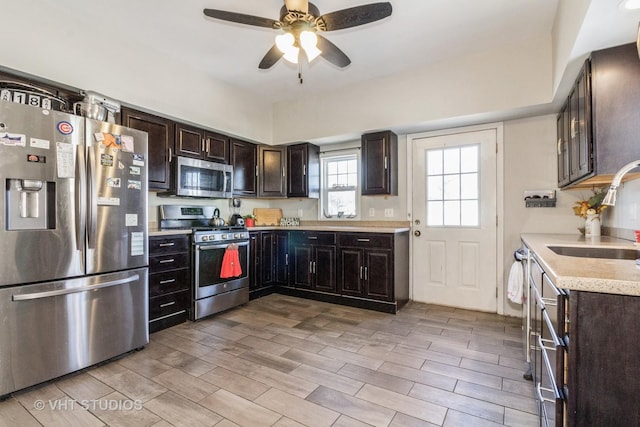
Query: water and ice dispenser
[[30, 204]]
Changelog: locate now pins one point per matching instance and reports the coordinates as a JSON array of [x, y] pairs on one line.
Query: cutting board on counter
[[267, 216]]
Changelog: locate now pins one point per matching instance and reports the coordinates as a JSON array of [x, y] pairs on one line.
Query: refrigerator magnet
[[138, 159], [109, 201], [134, 170], [134, 185], [13, 139], [126, 143], [39, 143], [131, 220], [113, 182], [106, 160]]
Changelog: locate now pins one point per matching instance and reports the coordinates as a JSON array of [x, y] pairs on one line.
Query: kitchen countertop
[[610, 276], [343, 228]]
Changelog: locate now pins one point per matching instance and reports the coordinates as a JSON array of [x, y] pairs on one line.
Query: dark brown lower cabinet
[[268, 252], [603, 368], [169, 281], [313, 261], [366, 272]]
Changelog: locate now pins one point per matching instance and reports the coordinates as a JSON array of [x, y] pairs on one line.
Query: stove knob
[[212, 237], [205, 238], [237, 236], [224, 237]]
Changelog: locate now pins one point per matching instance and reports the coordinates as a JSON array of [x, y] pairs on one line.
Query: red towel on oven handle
[[231, 263]]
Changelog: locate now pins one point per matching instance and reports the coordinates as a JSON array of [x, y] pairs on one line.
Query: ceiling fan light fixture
[[286, 43], [309, 41]]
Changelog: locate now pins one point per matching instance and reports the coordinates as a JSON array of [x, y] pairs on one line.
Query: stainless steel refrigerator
[[73, 243]]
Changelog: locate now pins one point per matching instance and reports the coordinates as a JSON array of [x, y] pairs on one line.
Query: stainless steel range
[[211, 291]]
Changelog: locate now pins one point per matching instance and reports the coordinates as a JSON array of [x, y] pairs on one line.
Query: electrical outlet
[[300, 213], [633, 211], [388, 212], [372, 212]]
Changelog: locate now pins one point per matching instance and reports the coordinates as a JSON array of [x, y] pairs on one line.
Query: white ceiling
[[417, 33]]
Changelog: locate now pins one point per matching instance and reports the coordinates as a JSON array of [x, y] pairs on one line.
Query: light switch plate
[[388, 212], [372, 212]]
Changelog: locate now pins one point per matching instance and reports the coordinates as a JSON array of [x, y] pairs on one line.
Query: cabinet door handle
[[170, 155], [164, 282], [165, 261], [366, 273], [286, 259], [315, 267], [167, 304], [164, 245], [311, 267], [559, 146], [304, 170], [284, 173], [361, 269], [312, 237], [573, 127], [256, 170], [208, 145], [385, 162], [202, 143], [364, 240]]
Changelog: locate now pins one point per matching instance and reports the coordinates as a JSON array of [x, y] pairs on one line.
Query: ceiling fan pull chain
[[300, 72]]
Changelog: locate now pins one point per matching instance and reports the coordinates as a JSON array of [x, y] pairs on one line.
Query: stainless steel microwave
[[199, 178]]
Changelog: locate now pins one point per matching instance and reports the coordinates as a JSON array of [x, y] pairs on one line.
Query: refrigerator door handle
[[91, 215], [80, 180], [47, 294]]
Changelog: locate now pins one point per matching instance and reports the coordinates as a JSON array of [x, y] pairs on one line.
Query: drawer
[[169, 281], [160, 263], [312, 237], [164, 244], [167, 304], [379, 241]]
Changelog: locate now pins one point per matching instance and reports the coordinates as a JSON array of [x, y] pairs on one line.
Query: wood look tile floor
[[284, 361]]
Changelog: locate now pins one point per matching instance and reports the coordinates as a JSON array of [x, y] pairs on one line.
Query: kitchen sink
[[584, 252]]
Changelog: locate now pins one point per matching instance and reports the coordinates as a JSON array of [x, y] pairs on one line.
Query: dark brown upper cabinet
[[161, 136], [602, 118], [244, 159], [272, 171], [379, 163], [201, 144], [303, 170]]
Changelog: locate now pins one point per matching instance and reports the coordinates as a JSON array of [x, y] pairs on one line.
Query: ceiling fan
[[300, 22]]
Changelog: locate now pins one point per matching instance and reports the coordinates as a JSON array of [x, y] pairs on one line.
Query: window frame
[[325, 158]]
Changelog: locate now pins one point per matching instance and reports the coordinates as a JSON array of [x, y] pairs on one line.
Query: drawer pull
[[164, 282], [312, 238], [364, 240], [164, 245], [167, 304], [166, 261]]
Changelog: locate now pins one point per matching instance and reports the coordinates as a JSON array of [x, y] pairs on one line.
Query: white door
[[454, 220]]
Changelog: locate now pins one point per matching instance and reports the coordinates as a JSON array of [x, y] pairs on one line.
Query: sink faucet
[[610, 198]]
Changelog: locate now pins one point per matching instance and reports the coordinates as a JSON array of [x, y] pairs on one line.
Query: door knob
[[417, 233]]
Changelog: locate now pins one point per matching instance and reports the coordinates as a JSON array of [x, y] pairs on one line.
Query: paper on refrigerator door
[[137, 243], [65, 160]]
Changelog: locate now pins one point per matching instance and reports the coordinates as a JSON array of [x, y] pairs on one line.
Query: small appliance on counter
[[236, 218]]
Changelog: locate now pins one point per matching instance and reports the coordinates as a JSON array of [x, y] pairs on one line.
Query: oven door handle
[[222, 246]]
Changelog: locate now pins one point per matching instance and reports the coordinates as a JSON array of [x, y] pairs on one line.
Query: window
[[340, 179], [453, 186]]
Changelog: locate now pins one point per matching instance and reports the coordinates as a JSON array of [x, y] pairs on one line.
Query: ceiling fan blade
[[354, 16], [332, 53], [240, 18], [270, 58], [297, 5]]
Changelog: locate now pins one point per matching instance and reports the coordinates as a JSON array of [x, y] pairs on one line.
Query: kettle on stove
[[216, 221]]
